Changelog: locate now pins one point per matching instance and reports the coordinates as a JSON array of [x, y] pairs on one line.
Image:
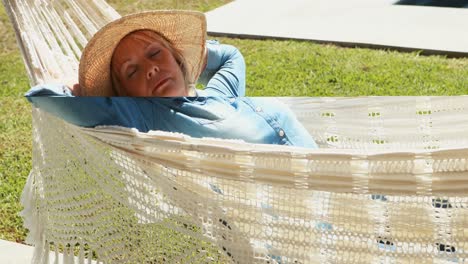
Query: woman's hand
[[72, 85], [75, 89]]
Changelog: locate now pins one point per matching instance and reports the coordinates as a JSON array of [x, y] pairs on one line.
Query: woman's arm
[[58, 100], [225, 70]]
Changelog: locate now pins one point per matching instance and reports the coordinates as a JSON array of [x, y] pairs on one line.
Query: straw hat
[[186, 30]]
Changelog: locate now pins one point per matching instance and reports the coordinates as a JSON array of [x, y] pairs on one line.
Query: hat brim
[[186, 30]]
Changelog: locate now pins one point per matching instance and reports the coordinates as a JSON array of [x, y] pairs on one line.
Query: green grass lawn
[[274, 68]]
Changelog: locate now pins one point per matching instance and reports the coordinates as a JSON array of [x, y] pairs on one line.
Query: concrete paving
[[368, 23], [14, 253]]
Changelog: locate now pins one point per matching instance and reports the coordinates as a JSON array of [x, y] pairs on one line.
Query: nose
[[152, 71]]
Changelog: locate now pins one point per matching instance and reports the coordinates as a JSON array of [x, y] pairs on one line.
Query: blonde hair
[[149, 36]]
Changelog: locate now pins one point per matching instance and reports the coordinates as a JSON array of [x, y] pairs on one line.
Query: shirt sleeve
[[57, 99], [225, 70]]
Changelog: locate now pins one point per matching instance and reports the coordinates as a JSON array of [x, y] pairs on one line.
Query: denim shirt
[[218, 111]]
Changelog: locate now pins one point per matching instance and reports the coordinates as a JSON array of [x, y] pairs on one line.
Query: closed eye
[[131, 72], [154, 54]]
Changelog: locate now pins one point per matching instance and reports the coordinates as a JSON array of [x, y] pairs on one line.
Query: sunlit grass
[[274, 68]]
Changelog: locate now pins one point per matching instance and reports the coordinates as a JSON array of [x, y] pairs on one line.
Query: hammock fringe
[[388, 183]]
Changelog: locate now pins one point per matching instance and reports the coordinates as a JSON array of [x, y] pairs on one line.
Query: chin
[[176, 93]]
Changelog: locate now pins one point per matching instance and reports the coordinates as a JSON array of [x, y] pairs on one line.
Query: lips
[[159, 85]]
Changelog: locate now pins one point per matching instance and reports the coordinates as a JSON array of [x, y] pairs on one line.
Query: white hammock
[[387, 185]]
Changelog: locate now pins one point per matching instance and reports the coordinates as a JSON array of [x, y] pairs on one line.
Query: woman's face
[[144, 66]]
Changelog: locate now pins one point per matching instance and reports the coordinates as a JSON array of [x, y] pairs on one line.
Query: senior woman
[[162, 54]]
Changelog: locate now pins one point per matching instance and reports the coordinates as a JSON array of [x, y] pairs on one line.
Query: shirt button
[[258, 109], [281, 133]]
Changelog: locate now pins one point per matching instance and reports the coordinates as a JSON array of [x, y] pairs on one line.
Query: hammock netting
[[388, 184]]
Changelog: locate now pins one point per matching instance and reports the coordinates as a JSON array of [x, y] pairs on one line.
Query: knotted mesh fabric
[[119, 196], [388, 184]]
